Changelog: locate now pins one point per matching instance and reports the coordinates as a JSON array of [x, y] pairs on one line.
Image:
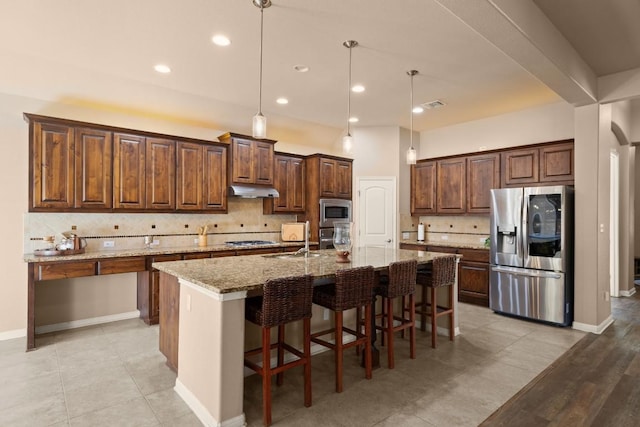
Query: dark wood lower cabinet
[[169, 318], [473, 271], [149, 289]]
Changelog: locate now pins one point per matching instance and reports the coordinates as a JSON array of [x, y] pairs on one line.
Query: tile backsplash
[[244, 221], [454, 228]]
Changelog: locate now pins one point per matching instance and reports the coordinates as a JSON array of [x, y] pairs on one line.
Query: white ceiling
[[103, 52]]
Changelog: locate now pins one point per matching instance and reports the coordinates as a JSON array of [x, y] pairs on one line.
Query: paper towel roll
[[421, 232]]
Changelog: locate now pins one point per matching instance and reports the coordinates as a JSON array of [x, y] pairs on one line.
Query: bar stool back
[[442, 274], [353, 288], [284, 300]]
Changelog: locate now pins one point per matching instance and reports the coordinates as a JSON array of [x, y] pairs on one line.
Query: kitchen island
[[210, 324]]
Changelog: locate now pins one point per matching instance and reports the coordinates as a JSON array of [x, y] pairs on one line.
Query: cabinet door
[[263, 157], [343, 180], [297, 185], [242, 161], [556, 163], [215, 178], [328, 185], [451, 194], [53, 166], [281, 174], [519, 167], [129, 171], [93, 186], [473, 283], [189, 172], [483, 174], [423, 188], [160, 174]]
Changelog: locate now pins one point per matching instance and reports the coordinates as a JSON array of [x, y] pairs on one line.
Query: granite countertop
[[247, 273], [447, 243], [155, 251]]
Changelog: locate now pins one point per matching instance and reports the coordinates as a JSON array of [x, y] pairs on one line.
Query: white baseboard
[[594, 329], [628, 293], [9, 335], [201, 412], [86, 322]]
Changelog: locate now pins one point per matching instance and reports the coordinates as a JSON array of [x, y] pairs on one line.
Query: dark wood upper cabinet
[[160, 174], [94, 188], [451, 186], [556, 163], [52, 166], [331, 175], [215, 178], [423, 188], [289, 180], [201, 176], [251, 159], [129, 171], [483, 174], [520, 167]]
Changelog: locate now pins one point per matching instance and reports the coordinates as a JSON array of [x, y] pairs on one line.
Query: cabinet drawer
[[66, 270], [445, 249], [197, 255], [413, 246], [477, 255], [259, 251], [122, 265]]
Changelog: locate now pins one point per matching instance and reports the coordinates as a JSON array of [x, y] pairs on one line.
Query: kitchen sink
[[290, 255]]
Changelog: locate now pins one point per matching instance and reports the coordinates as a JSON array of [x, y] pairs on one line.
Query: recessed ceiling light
[[433, 104], [353, 119], [220, 40], [357, 88], [161, 68], [282, 101], [418, 110], [301, 68]]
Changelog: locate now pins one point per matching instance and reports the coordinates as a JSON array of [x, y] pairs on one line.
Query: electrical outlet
[[444, 237], [108, 244], [482, 239], [156, 242], [325, 314]]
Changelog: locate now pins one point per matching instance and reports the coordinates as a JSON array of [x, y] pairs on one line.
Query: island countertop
[[247, 273]]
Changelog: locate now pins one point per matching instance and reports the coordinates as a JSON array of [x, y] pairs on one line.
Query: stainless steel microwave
[[334, 210]]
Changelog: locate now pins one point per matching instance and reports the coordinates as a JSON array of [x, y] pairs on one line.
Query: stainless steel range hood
[[252, 191]]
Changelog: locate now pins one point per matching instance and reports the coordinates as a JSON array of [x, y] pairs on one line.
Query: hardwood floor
[[596, 383]]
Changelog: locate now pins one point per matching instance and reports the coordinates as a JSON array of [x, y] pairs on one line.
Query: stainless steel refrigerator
[[532, 253]]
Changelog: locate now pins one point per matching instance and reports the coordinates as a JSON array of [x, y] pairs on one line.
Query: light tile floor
[[113, 375]]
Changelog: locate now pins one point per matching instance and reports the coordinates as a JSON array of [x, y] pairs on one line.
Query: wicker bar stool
[[353, 288], [284, 300], [401, 282], [442, 273]]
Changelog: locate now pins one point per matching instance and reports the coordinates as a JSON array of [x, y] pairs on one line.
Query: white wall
[[543, 124]]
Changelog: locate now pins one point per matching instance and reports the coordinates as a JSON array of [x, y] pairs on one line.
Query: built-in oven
[[332, 211]]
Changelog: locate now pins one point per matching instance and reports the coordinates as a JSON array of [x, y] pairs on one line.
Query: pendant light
[[347, 140], [259, 128], [411, 152]]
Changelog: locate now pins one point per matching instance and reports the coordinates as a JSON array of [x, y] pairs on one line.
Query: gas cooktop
[[250, 242]]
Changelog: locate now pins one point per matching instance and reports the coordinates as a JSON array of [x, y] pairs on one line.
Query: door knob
[[389, 241]]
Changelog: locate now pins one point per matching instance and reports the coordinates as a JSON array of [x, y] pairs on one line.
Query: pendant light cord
[[261, 36], [349, 94], [411, 110]]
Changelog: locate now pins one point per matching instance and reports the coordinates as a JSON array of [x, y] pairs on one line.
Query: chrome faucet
[[305, 250]]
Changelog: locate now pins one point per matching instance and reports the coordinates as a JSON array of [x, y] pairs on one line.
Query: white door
[[614, 224], [377, 211]]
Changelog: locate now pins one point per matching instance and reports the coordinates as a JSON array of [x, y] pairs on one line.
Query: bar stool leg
[[280, 376], [266, 377], [423, 309], [358, 326], [389, 327], [339, 351], [451, 326], [412, 329], [307, 365], [368, 330], [434, 318]]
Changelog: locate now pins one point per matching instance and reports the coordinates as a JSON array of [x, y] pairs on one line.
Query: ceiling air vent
[[433, 104]]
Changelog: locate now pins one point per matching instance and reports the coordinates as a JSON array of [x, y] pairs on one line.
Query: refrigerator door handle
[[527, 273]]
